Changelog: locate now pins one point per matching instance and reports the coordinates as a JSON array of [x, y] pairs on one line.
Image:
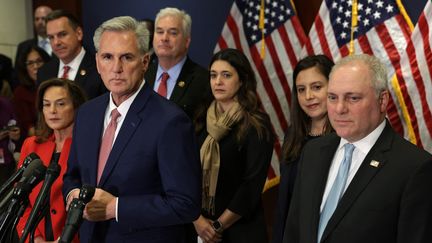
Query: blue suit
[[153, 169]]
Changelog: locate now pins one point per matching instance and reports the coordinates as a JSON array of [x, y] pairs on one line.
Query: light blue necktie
[[43, 44], [337, 190]]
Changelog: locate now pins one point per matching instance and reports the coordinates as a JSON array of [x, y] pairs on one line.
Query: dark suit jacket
[[391, 202], [192, 85], [153, 169], [57, 207], [87, 76]]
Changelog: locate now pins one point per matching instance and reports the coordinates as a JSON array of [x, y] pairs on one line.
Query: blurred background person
[[41, 38], [236, 148], [24, 101], [9, 134], [308, 120], [57, 103]]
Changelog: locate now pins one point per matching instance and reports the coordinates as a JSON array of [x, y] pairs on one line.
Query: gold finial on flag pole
[[354, 23], [261, 27]]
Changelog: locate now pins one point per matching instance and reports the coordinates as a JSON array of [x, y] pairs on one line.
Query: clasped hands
[[205, 231]]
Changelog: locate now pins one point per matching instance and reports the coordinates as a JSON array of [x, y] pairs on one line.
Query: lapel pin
[[374, 163], [181, 84], [83, 72]]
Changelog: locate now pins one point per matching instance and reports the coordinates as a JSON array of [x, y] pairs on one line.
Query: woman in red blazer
[[57, 102]]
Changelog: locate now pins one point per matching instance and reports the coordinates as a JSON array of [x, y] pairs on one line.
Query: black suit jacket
[[87, 76], [192, 85], [386, 202]]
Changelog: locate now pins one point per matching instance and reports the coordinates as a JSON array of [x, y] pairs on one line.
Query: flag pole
[[261, 27], [354, 24]]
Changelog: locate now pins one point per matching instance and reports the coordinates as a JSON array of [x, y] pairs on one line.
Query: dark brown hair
[[21, 67], [246, 96], [300, 122], [43, 132]]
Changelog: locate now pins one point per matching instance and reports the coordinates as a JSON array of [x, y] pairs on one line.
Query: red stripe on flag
[[267, 85], [322, 38], [231, 23]]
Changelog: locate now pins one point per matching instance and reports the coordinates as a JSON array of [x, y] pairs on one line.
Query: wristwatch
[[217, 226]]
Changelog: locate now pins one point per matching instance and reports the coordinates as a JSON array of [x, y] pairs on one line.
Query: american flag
[[416, 74], [383, 30], [281, 40]]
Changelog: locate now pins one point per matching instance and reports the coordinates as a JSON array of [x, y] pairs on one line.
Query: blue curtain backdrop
[[208, 18]]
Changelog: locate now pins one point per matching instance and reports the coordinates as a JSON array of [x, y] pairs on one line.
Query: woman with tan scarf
[[236, 148]]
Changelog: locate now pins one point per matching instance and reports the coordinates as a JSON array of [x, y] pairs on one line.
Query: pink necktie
[[107, 142], [162, 90], [66, 72]]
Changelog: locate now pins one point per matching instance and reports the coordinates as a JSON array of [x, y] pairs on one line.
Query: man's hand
[[102, 207]]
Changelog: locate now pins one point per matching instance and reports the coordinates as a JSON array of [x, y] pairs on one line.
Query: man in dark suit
[[377, 191], [41, 38], [148, 182], [73, 62], [187, 83]]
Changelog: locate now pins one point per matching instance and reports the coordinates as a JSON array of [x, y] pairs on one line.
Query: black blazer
[[242, 174], [192, 85], [386, 202], [87, 76]]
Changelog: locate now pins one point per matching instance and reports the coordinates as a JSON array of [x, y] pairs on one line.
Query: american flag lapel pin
[[374, 163]]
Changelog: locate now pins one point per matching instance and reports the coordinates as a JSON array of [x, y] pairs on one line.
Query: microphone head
[[53, 170], [29, 159], [32, 175], [86, 193]]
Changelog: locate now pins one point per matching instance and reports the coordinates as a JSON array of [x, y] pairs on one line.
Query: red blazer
[[57, 206]]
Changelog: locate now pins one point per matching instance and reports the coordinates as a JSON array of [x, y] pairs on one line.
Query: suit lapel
[[362, 178], [83, 69], [320, 170], [95, 134], [183, 81], [130, 124]]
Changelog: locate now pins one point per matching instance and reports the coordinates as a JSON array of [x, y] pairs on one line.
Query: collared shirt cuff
[[67, 196], [116, 210]]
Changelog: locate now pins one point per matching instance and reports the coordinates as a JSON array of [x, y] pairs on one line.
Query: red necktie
[[162, 89], [66, 72], [107, 142]]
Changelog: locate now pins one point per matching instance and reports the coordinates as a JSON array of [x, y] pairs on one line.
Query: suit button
[[53, 211]]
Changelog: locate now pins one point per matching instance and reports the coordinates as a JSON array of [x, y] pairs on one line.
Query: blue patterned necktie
[[337, 190]]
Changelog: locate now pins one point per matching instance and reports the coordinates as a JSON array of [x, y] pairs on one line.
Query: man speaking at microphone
[[57, 102], [137, 147]]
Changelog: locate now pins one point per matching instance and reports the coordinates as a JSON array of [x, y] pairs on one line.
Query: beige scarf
[[218, 126]]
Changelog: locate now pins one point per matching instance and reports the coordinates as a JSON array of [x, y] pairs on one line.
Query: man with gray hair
[[175, 76], [365, 183], [136, 147]]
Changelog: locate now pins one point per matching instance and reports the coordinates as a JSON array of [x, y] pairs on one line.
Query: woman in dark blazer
[[57, 103], [236, 146], [308, 120]]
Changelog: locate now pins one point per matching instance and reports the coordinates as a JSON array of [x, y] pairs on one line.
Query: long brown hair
[[300, 122], [246, 96], [43, 131]]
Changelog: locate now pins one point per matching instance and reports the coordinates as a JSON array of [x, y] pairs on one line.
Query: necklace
[[315, 134]]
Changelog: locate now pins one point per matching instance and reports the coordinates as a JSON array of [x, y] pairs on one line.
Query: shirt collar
[[75, 63], [365, 144], [125, 105], [173, 72]]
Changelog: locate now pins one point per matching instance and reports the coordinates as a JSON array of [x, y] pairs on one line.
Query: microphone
[[19, 198], [75, 213], [17, 175], [40, 204]]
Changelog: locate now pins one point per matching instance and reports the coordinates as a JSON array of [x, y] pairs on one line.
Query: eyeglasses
[[38, 62]]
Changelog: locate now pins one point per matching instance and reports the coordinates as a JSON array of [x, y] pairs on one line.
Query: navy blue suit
[[153, 169]]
